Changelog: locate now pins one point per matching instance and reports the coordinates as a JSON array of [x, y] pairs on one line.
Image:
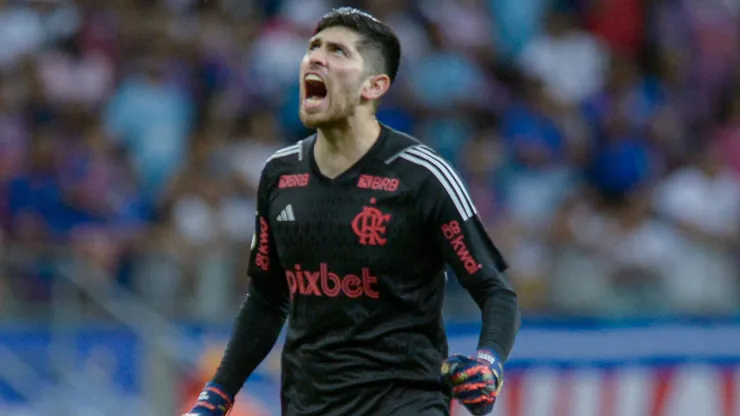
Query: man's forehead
[[338, 34]]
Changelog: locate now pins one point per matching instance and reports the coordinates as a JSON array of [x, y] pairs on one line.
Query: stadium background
[[600, 139]]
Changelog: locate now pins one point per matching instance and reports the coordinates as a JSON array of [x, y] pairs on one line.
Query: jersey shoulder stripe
[[292, 150], [445, 174], [295, 149], [398, 143]]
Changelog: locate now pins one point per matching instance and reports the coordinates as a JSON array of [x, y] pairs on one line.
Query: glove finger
[[454, 361], [449, 368], [479, 406], [454, 365], [475, 388], [480, 410], [479, 399], [481, 388], [475, 372], [465, 395]]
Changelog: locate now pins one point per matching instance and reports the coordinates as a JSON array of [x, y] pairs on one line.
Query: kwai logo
[[327, 283], [455, 237], [262, 259]]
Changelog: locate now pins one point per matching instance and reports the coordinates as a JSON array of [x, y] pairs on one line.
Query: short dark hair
[[379, 45]]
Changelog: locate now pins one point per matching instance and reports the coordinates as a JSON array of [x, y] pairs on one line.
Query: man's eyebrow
[[340, 45], [318, 40]]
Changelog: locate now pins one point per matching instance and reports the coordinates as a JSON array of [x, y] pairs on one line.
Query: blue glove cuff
[[488, 356], [491, 358], [213, 401]]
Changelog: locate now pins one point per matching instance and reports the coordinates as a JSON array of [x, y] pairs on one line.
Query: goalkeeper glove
[[475, 381], [213, 401]]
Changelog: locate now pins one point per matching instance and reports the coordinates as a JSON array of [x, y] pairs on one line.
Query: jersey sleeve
[[459, 234], [265, 271], [264, 309]]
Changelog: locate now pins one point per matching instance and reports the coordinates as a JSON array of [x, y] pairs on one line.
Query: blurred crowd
[[600, 140]]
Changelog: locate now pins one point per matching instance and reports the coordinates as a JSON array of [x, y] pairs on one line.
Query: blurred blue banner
[[633, 368]]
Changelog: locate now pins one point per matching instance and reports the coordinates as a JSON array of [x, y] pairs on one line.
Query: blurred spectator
[[728, 135], [211, 211], [38, 215], [480, 161], [153, 119], [72, 75], [99, 181], [206, 205], [620, 24], [410, 26], [536, 177], [461, 24], [702, 38], [275, 55], [516, 24], [570, 61], [628, 96], [14, 130], [37, 202], [624, 163], [248, 153], [442, 97], [709, 232], [612, 256], [21, 33]]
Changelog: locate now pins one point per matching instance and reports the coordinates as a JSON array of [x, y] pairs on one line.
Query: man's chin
[[309, 122], [314, 120]]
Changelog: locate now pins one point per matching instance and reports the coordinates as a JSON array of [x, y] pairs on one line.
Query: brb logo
[[327, 283], [377, 183], [262, 259], [369, 225], [454, 235], [293, 181]]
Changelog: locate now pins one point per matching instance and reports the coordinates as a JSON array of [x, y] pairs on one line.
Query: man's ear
[[375, 87]]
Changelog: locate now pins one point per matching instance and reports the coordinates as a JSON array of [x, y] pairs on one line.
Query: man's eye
[[338, 51]]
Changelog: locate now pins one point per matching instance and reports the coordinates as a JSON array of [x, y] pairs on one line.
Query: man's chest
[[345, 226]]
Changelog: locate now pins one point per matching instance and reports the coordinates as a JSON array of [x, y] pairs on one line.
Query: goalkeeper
[[355, 226]]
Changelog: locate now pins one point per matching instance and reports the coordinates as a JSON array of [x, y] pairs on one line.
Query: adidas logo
[[286, 214]]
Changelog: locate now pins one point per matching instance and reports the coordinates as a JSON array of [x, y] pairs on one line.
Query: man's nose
[[317, 57]]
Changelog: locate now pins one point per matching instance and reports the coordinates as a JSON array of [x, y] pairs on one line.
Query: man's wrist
[[490, 357], [215, 399]]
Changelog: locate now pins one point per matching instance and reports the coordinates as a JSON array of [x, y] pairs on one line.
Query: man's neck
[[339, 147]]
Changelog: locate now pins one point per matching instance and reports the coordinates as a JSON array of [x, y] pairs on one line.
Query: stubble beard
[[332, 116]]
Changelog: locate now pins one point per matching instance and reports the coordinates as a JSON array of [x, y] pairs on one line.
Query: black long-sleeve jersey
[[356, 264]]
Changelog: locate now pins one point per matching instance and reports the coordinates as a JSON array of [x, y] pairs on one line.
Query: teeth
[[313, 77]]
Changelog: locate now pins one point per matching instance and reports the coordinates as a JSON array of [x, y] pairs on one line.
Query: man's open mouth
[[315, 89]]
